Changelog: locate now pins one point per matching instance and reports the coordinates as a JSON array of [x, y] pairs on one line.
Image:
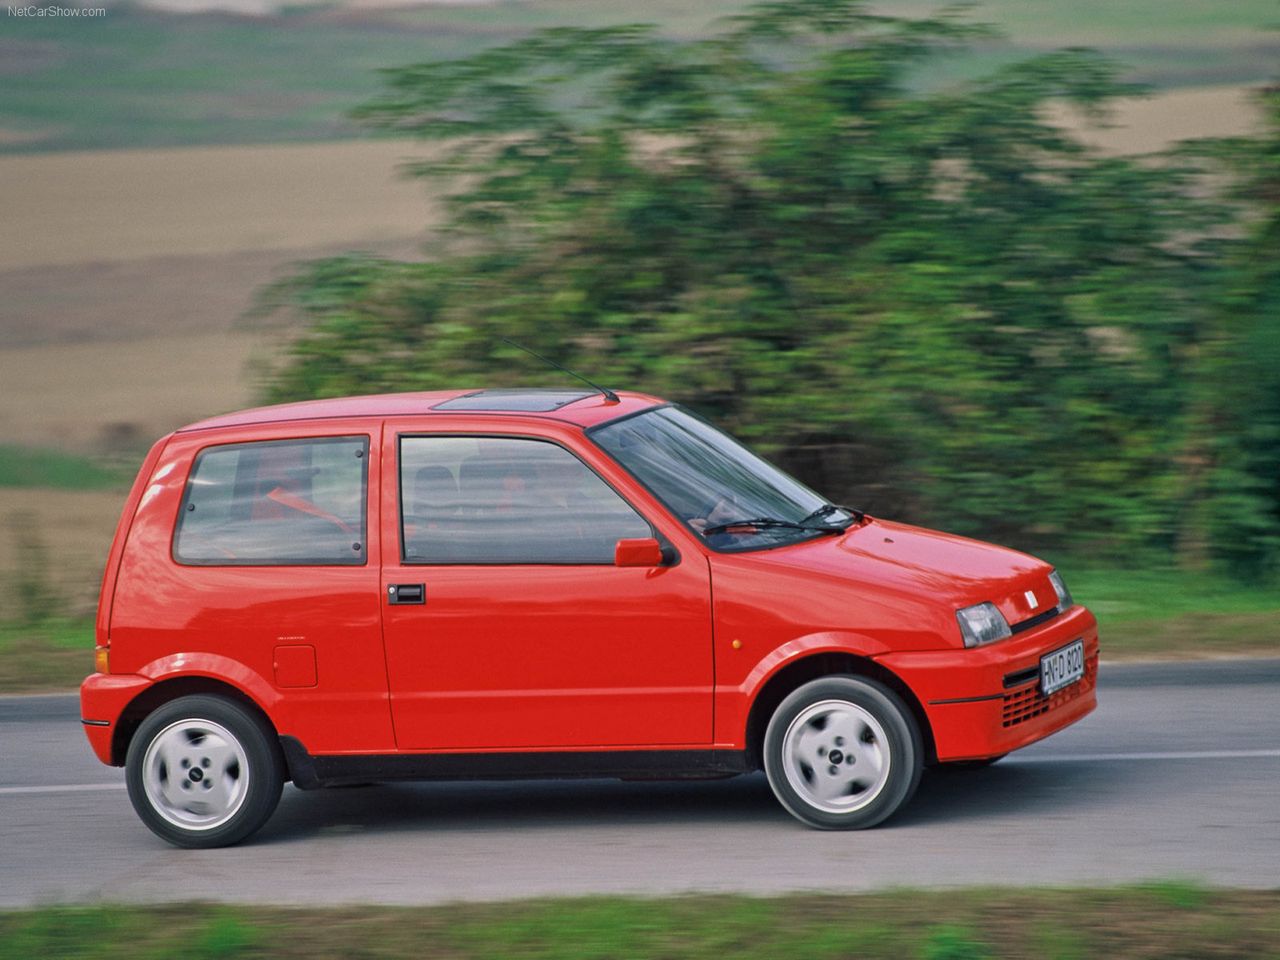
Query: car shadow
[[944, 796], [518, 805], [1008, 789]]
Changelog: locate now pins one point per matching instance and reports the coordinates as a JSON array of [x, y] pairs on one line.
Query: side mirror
[[643, 552]]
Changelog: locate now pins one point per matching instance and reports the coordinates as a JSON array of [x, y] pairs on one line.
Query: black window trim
[[747, 548], [187, 491], [668, 548]]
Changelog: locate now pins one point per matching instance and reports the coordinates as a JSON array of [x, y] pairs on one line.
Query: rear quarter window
[[276, 502]]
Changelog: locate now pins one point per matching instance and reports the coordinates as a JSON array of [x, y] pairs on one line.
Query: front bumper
[[971, 711], [103, 697]]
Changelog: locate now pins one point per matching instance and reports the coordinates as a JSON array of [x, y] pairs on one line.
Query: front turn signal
[[102, 659]]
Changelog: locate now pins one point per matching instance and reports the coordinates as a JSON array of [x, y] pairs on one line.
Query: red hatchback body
[[538, 583]]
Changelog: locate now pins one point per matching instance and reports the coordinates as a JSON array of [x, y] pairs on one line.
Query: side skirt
[[309, 772]]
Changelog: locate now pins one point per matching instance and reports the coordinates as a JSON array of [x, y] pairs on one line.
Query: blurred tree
[[932, 303], [1231, 460]]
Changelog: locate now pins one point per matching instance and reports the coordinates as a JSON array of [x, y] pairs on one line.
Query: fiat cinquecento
[[545, 583]]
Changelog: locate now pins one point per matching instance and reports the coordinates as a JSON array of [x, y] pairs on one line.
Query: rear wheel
[[203, 771], [842, 753]]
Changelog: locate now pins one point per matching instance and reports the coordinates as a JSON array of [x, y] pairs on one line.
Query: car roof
[[580, 407]]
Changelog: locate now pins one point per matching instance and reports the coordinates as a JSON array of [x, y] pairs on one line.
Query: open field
[[293, 76], [107, 300], [74, 208], [102, 396], [74, 532], [96, 207], [126, 275], [1160, 920], [1148, 124]]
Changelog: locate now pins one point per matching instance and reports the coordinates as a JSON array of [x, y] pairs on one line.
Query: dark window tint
[[278, 502], [497, 500]]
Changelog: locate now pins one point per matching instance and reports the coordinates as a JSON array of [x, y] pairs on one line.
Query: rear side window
[[504, 500], [276, 502]]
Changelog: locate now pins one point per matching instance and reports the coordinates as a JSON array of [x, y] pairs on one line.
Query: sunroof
[[531, 401]]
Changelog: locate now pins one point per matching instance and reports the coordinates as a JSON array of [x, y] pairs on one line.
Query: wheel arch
[[811, 667], [168, 690]]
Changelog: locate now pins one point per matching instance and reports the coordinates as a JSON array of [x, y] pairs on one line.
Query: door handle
[[402, 593]]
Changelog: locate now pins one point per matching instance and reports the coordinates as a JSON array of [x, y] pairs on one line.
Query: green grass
[[1123, 596], [144, 78], [1156, 614], [35, 467], [1120, 923], [54, 655]]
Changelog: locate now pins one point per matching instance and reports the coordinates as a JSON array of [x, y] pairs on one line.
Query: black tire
[[203, 771], [877, 749]]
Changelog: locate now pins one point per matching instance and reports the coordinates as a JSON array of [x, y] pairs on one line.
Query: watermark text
[[34, 10]]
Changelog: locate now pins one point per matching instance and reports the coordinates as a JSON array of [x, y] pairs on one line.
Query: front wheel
[[842, 753], [203, 771]]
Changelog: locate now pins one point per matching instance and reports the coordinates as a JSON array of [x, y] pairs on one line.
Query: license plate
[[1062, 668]]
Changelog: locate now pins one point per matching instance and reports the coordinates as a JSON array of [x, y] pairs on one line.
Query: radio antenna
[[608, 394]]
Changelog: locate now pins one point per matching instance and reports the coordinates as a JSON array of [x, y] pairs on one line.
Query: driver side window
[[506, 500]]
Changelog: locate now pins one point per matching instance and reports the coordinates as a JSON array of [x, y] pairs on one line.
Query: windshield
[[709, 480]]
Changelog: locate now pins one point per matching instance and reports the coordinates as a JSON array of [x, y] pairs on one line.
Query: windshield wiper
[[773, 522], [829, 508]]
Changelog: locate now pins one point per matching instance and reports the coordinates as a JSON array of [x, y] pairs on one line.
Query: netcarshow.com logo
[[32, 10]]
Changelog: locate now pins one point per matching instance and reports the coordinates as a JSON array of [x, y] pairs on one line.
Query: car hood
[[878, 555]]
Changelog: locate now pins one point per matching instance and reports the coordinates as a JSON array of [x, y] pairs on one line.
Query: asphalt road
[[1177, 775]]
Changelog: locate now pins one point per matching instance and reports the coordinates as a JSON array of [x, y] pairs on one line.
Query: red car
[[535, 583]]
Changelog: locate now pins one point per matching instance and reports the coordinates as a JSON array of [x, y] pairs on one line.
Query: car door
[[507, 624]]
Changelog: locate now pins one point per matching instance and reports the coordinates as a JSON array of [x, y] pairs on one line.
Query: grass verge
[[35, 467], [50, 656], [1172, 615], [1172, 919]]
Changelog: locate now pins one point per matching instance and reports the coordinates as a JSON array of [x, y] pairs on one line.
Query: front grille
[[1029, 703]]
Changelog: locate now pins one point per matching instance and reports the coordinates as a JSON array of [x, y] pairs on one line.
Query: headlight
[[1060, 588], [982, 623]]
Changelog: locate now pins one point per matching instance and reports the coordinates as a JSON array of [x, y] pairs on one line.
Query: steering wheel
[[725, 503]]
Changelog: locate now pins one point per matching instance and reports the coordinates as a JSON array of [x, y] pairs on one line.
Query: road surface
[[1176, 775]]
